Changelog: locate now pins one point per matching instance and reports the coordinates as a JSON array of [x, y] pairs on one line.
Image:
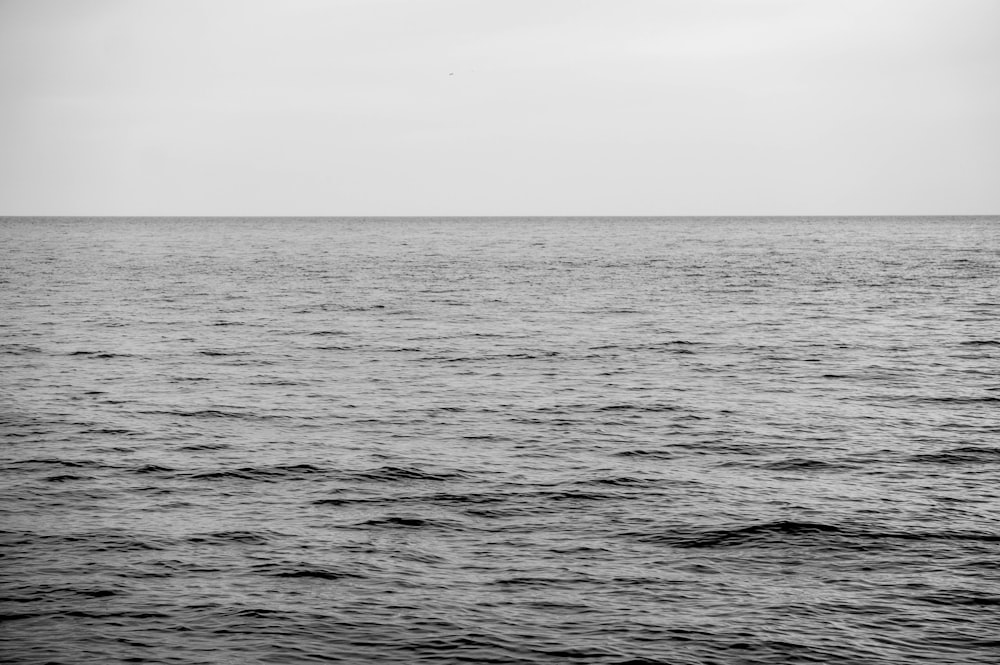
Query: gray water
[[767, 440]]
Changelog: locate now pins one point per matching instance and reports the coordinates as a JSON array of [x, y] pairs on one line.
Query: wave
[[646, 454], [152, 468], [986, 399], [261, 473], [62, 478], [962, 455], [782, 530], [305, 570], [100, 354], [201, 413], [398, 473], [653, 408], [803, 464], [206, 446], [321, 574], [791, 532], [111, 430], [351, 501], [219, 413], [961, 597], [237, 536], [19, 349], [406, 522], [58, 462], [620, 481], [92, 541]]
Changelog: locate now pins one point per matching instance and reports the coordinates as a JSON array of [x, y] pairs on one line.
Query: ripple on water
[[546, 441]]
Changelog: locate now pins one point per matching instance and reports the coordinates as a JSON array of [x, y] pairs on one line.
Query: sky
[[499, 107]]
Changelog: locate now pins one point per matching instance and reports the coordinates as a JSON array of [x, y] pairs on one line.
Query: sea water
[[506, 440]]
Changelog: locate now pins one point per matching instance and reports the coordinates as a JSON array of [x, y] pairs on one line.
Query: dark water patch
[[560, 495], [985, 399], [19, 349], [94, 541], [43, 462], [261, 473], [315, 573], [100, 354], [352, 308], [278, 382], [492, 357], [472, 503], [401, 474], [407, 523], [96, 593], [532, 581], [202, 413], [677, 347], [237, 537], [803, 464], [620, 481], [62, 478], [301, 469], [806, 534], [216, 352], [115, 431], [562, 409], [652, 408], [206, 446], [152, 468], [961, 455], [512, 511], [647, 454], [780, 531], [963, 598], [533, 355], [981, 342], [463, 498], [352, 501], [442, 498], [114, 616], [6, 617]]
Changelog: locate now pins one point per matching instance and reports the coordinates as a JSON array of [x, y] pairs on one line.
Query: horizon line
[[493, 216]]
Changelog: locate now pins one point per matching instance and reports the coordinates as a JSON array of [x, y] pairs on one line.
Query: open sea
[[500, 440]]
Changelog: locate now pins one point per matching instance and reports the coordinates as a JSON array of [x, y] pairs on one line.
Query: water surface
[[591, 440]]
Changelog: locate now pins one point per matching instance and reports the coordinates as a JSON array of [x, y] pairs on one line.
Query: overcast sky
[[499, 107]]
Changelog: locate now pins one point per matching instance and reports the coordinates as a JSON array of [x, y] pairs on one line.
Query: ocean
[[500, 440]]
